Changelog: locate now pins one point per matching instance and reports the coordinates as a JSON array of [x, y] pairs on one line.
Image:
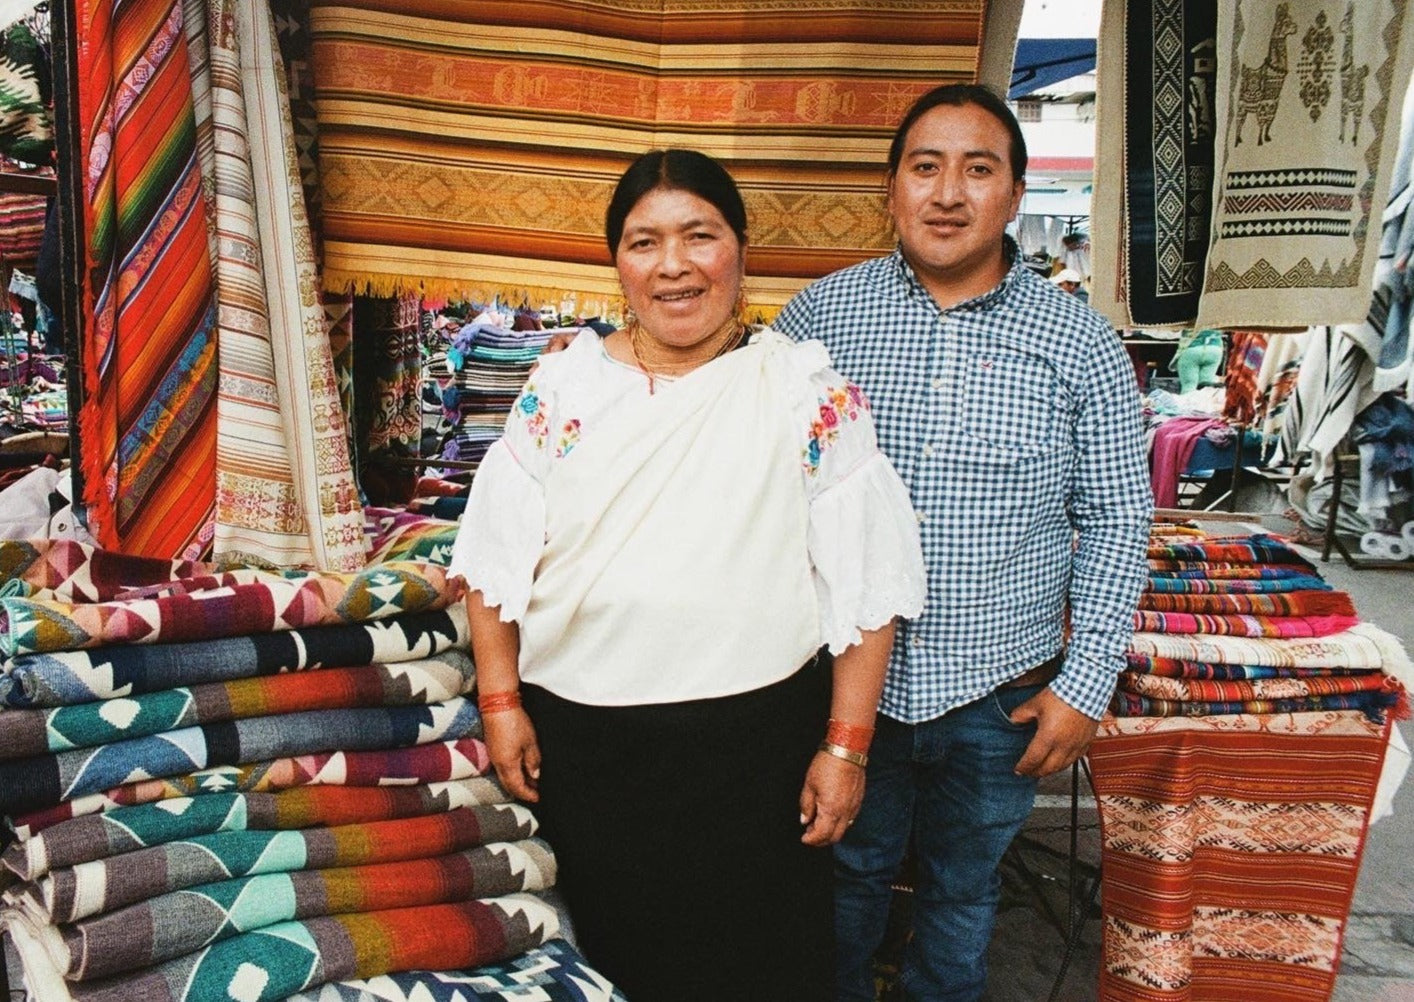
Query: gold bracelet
[[840, 751]]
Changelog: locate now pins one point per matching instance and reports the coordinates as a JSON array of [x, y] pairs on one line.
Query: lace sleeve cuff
[[866, 553]]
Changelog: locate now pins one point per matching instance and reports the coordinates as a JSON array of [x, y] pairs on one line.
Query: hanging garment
[[285, 491], [1260, 136], [148, 423], [473, 151]]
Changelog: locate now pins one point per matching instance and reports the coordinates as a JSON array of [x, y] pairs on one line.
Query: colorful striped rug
[[148, 423], [469, 148]]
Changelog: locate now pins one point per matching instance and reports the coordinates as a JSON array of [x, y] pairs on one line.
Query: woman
[[677, 518]]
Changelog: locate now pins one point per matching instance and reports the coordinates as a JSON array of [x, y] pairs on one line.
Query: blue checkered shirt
[[1014, 420]]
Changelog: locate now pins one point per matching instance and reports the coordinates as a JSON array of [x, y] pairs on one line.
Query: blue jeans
[[948, 782]]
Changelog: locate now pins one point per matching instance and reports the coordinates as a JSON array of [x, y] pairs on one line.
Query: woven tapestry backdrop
[[469, 148]]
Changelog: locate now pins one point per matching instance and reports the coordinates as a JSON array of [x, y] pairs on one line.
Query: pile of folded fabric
[[248, 784], [480, 373], [1247, 625]]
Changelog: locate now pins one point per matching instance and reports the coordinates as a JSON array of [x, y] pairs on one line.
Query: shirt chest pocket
[[1010, 403]]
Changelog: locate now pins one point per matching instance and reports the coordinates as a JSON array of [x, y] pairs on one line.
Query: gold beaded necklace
[[722, 340]]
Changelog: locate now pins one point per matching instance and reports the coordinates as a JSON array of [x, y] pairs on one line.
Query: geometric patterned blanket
[[1290, 603], [1373, 704], [1230, 848], [171, 925], [1158, 582], [1287, 627], [1365, 646], [279, 960], [431, 763], [64, 677], [472, 151], [1256, 549], [34, 625], [43, 781], [406, 683], [71, 893], [554, 972], [127, 829]]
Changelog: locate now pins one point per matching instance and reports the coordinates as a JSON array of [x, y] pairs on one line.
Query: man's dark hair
[[681, 170], [957, 95]]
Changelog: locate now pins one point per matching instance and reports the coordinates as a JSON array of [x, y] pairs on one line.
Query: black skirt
[[677, 831]]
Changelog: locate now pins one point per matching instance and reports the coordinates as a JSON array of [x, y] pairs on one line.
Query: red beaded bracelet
[[852, 736], [497, 702]]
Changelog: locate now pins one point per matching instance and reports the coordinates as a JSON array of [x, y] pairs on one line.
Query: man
[[1069, 280], [1011, 411]]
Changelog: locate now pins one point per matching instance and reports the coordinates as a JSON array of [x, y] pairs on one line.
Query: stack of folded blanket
[[1246, 625], [248, 784], [480, 374]]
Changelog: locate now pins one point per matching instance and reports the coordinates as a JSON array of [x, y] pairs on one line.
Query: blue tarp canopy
[[1041, 62]]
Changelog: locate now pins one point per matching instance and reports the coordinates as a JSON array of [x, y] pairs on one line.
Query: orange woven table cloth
[[469, 148], [1230, 849]]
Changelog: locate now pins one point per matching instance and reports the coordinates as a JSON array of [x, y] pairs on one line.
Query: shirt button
[[937, 382], [916, 640], [921, 516], [927, 450]]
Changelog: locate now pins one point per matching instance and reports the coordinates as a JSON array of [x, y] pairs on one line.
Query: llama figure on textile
[[1260, 89], [1352, 80]]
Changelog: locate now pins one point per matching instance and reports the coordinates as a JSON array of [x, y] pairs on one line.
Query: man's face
[[952, 198]]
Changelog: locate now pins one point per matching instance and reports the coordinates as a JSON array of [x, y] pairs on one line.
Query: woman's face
[[680, 265]]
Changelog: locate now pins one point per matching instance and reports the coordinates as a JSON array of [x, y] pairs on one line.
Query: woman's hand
[[515, 752], [833, 792]]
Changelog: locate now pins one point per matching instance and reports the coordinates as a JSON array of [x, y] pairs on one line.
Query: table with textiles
[[1237, 775], [259, 785]]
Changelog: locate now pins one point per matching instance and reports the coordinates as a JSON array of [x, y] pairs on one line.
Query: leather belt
[[1040, 675]]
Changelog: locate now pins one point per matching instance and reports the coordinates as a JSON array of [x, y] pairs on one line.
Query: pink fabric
[[1174, 442]]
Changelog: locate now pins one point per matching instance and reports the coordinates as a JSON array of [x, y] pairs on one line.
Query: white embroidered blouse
[[859, 527]]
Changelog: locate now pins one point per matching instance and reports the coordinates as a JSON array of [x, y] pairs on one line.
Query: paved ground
[[1378, 961]]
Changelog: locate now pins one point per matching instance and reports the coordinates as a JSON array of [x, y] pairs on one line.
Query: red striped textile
[[148, 425], [1230, 848]]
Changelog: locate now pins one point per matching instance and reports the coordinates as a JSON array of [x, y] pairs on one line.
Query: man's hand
[[515, 752], [830, 799], [1062, 734]]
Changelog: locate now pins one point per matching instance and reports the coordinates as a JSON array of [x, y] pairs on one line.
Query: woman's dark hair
[[682, 170], [957, 95]]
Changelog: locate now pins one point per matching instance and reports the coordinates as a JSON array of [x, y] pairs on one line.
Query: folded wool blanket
[[1179, 668], [32, 784], [431, 763], [127, 829], [1373, 704], [71, 893], [1275, 627], [1224, 571], [1296, 603], [1258, 549], [1192, 585], [1245, 690], [554, 972], [407, 536], [77, 572], [175, 924], [87, 725], [280, 960], [67, 677], [320, 599], [1364, 646]]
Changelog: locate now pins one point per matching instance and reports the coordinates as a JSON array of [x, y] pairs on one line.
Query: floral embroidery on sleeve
[[532, 411], [837, 404], [569, 438]]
